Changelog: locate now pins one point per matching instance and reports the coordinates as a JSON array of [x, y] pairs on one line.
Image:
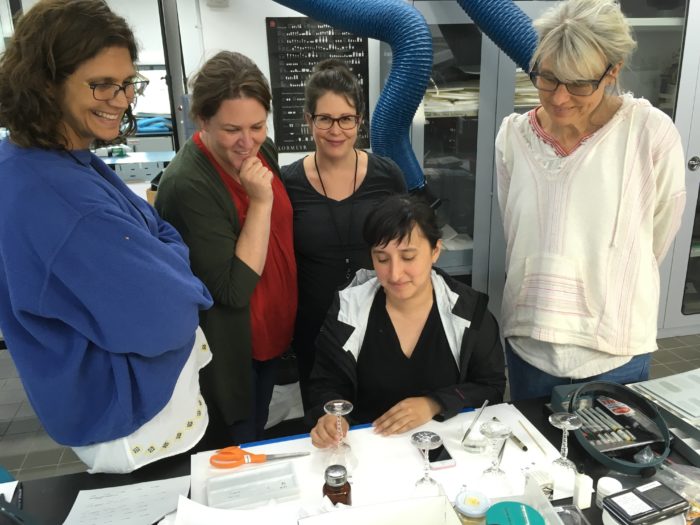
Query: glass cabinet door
[[445, 130], [451, 109], [652, 72]]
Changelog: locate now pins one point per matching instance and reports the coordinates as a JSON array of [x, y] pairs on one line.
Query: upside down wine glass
[[425, 441], [496, 433], [565, 421], [340, 452]]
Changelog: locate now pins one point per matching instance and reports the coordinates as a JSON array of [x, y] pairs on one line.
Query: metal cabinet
[[475, 85], [452, 134], [680, 314]]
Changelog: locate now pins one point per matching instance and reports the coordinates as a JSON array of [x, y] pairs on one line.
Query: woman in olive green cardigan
[[222, 192]]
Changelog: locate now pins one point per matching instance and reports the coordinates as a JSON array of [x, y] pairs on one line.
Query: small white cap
[[605, 487]]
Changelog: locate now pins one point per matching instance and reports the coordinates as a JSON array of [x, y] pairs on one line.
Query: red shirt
[[273, 305]]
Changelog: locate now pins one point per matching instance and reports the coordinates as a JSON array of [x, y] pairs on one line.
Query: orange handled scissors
[[231, 457]]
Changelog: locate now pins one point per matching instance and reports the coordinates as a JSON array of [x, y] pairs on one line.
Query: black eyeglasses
[[579, 88], [325, 122], [108, 91]]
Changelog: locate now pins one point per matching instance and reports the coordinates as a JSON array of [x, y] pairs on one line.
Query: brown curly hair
[[227, 75], [49, 43]]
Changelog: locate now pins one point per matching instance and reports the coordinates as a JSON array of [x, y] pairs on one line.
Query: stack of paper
[[454, 101], [677, 393]]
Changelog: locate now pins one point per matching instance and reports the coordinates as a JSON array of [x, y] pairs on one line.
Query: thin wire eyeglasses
[[326, 122], [578, 88], [105, 91]]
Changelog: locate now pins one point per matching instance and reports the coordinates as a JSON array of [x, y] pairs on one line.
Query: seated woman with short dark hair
[[404, 343]]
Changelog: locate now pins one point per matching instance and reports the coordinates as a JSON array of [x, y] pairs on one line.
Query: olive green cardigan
[[193, 198]]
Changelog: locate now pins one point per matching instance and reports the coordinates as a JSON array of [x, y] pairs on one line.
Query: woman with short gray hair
[[591, 189]]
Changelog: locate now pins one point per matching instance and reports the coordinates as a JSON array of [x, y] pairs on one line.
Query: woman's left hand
[[405, 415]]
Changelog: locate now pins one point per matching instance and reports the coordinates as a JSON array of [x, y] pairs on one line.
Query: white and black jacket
[[471, 331]]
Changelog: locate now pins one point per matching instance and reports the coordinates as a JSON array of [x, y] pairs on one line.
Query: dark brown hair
[[393, 219], [49, 43], [333, 75], [227, 75]]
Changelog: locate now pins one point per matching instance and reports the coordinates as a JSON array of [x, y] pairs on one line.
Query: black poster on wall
[[294, 46]]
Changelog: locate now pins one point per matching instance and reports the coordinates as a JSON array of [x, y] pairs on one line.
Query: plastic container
[[475, 443], [583, 487], [471, 507], [605, 487]]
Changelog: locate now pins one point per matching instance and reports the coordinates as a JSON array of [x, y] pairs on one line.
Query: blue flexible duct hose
[[505, 24], [405, 30]]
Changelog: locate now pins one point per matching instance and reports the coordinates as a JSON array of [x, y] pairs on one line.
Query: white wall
[[142, 16]]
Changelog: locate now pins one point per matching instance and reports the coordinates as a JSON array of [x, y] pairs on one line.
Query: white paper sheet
[[142, 503], [8, 489]]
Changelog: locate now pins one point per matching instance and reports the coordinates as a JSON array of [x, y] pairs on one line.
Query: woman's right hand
[[325, 433], [256, 180]]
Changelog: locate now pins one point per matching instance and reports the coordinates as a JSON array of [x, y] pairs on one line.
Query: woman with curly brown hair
[[97, 302]]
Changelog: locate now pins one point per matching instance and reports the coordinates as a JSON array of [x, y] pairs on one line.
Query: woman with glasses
[[222, 191], [591, 190], [98, 304], [332, 191]]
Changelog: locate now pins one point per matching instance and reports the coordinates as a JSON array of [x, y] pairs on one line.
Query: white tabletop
[[388, 467]]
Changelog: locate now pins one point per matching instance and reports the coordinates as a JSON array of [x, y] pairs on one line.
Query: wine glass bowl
[[425, 441], [565, 421]]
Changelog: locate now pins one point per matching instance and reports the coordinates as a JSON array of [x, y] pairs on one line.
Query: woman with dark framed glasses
[[332, 191], [98, 305], [591, 189]]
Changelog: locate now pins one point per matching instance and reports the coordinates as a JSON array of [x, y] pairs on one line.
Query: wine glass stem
[[564, 443], [426, 465], [339, 428]]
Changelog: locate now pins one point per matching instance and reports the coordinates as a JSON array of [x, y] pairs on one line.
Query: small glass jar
[[471, 507], [337, 487]]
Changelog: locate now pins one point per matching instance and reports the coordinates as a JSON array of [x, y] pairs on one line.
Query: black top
[[386, 376], [322, 241]]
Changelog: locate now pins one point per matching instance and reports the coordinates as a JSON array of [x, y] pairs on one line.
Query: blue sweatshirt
[[98, 305]]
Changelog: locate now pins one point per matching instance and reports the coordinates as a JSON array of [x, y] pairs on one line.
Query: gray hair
[[576, 36]]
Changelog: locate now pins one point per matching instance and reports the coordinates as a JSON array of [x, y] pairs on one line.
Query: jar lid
[[336, 475], [472, 503], [514, 513], [607, 486]]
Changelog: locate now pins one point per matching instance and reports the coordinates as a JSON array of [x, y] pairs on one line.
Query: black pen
[[522, 446]]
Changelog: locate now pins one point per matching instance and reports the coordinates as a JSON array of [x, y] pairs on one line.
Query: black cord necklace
[[345, 245]]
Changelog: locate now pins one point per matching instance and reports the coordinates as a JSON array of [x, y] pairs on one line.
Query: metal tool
[[232, 457], [478, 415]]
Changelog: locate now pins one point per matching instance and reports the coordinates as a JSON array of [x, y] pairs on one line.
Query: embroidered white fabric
[[175, 429]]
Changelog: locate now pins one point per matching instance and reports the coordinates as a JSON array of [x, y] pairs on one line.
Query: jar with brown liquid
[[337, 487]]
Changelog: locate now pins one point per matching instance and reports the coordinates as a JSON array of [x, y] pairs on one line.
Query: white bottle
[[583, 487]]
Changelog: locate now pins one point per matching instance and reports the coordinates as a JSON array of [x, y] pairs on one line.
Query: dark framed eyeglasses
[[107, 91], [579, 88], [325, 122]]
